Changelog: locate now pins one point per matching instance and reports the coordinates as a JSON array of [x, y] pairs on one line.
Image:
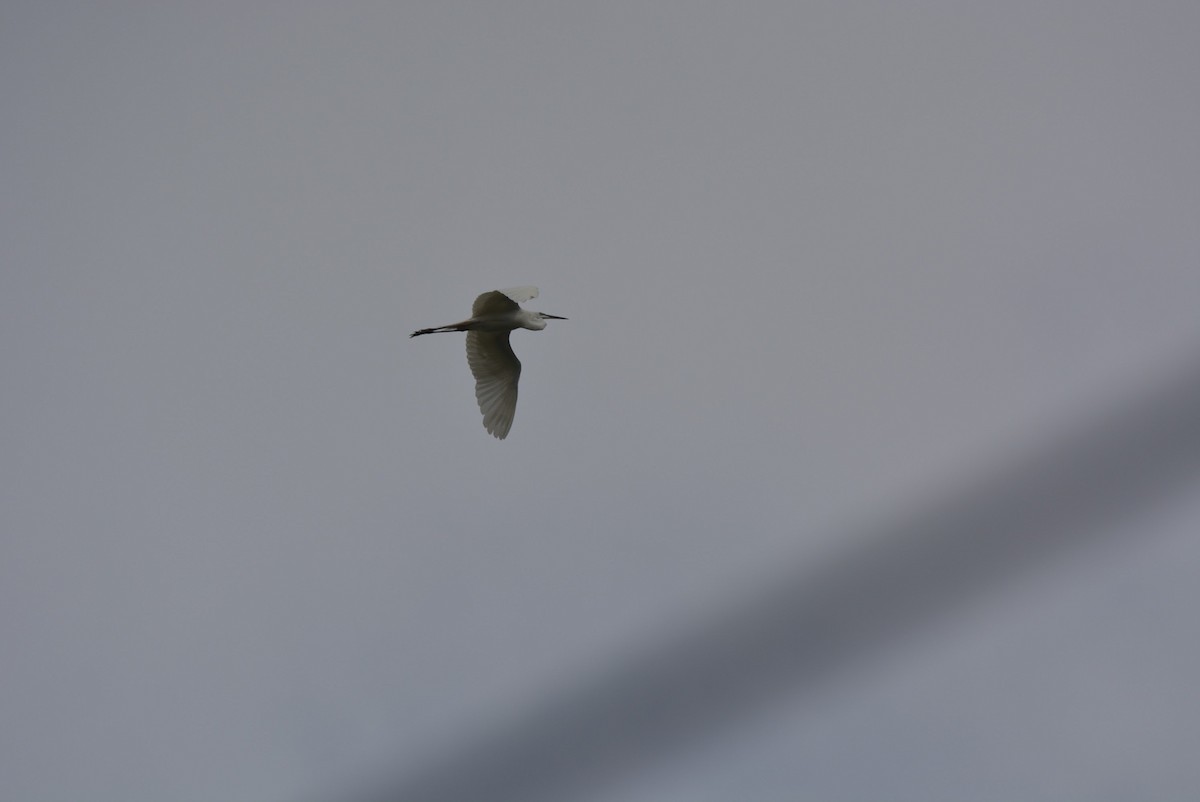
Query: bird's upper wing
[[496, 370], [498, 301], [521, 294]]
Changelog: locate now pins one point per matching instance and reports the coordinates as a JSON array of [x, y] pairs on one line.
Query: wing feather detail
[[496, 370]]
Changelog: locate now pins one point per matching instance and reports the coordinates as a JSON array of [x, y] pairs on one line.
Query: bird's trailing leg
[[440, 329]]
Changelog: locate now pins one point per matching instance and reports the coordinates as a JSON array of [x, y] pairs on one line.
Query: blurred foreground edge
[[1051, 500]]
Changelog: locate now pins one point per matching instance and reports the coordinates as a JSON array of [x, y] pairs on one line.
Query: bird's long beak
[[553, 317]]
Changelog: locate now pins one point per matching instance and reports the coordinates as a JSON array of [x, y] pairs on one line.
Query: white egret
[[493, 364]]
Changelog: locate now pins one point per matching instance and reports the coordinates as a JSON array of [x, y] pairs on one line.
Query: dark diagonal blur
[[1055, 499]]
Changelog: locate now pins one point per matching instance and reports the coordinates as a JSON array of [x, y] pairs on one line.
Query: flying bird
[[493, 364]]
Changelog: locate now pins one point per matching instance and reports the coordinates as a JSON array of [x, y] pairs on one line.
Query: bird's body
[[493, 364]]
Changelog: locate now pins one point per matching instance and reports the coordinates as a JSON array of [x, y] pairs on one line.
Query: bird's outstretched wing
[[499, 301], [496, 370]]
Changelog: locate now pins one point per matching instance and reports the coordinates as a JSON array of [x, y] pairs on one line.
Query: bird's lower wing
[[496, 370]]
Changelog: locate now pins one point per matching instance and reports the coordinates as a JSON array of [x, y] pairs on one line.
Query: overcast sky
[[818, 258]]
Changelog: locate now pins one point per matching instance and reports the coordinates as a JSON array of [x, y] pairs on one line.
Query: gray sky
[[819, 259]]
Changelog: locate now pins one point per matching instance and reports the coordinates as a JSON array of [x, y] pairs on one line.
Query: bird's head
[[537, 320]]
